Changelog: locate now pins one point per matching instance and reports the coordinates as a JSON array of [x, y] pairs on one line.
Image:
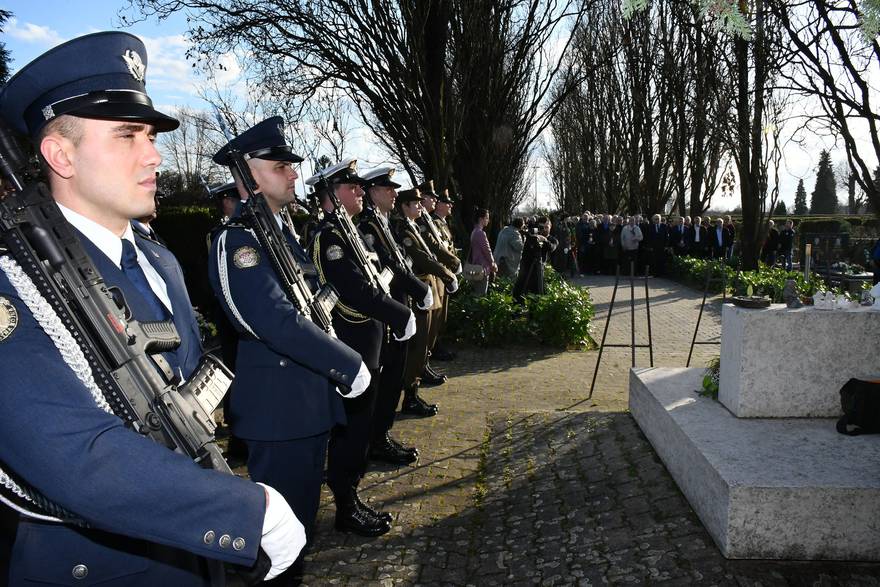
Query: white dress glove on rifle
[[428, 301], [283, 535], [410, 328], [361, 383], [453, 287]]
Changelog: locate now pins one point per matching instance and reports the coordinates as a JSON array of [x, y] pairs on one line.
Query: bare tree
[[832, 60], [430, 78]]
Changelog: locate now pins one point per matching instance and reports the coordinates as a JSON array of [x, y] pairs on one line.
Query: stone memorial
[[765, 484]]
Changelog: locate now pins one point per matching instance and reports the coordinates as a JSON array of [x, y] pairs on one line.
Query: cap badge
[[48, 113], [135, 66]]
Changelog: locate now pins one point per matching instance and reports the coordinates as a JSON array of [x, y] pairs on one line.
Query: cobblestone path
[[524, 480]]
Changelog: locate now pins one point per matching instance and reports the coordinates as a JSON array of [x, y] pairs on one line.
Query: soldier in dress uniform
[[441, 214], [439, 277], [153, 515], [362, 317], [407, 289], [431, 235], [290, 374]]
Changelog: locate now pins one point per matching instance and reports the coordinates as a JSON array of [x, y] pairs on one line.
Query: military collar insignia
[[136, 66], [245, 257], [48, 113], [8, 318]]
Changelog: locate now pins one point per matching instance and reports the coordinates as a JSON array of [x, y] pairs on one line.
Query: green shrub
[[765, 281], [561, 317]]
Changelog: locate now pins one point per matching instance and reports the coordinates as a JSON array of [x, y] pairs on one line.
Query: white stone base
[[781, 363], [764, 488]]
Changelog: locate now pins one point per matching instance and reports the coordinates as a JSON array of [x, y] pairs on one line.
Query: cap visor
[[128, 111]]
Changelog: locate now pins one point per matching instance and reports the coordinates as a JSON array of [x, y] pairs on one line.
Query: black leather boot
[[431, 377], [416, 406], [381, 516], [352, 517], [387, 451]]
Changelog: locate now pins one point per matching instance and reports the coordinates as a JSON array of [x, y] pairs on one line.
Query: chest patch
[[407, 242], [8, 318], [245, 257], [370, 239], [334, 253]]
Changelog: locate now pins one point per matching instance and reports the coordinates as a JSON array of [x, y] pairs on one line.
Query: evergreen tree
[[824, 199], [800, 199], [781, 209], [4, 52]]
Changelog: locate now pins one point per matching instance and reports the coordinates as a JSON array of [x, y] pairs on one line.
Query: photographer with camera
[[537, 248]]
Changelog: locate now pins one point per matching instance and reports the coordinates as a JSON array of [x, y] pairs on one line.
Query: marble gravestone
[[791, 363], [764, 468]]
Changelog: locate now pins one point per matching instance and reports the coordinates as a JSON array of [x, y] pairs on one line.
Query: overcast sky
[[172, 81]]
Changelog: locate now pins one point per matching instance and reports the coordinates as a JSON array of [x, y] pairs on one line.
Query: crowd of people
[[315, 393], [606, 243]]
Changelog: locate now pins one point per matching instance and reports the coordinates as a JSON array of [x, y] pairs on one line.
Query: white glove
[[361, 383], [283, 535], [428, 301], [453, 287], [410, 327]]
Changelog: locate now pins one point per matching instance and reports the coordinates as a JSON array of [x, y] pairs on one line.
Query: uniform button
[[333, 372], [80, 572], [238, 543], [225, 541], [344, 378], [283, 362], [209, 537]]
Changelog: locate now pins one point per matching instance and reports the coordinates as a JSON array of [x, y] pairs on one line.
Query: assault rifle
[[364, 258], [404, 262], [432, 228], [259, 217], [123, 353]]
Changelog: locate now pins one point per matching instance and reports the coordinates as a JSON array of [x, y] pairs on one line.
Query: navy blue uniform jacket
[[362, 309], [287, 368], [150, 509]]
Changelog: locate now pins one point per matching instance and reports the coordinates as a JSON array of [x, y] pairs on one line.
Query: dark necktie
[[135, 275]]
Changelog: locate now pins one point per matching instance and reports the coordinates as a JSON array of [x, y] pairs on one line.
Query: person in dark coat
[[719, 237], [537, 248], [786, 243], [696, 239], [656, 237], [771, 244]]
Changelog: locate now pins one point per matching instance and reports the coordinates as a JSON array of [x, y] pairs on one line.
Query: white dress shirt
[[111, 245]]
